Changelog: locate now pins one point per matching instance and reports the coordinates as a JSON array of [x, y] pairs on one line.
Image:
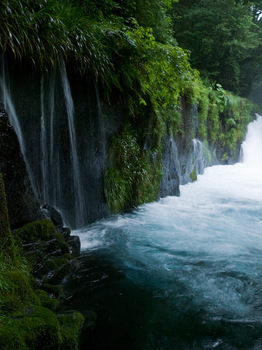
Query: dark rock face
[[21, 202], [183, 157], [170, 164], [54, 215]]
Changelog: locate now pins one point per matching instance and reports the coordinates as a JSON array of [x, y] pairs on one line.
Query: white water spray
[[252, 146]]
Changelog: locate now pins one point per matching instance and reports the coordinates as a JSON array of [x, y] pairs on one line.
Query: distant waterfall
[[200, 154], [252, 146]]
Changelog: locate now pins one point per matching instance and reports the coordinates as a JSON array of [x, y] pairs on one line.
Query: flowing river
[[182, 273]]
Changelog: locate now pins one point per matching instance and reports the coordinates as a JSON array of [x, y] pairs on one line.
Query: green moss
[[39, 328], [228, 117], [24, 324], [10, 304], [208, 156], [17, 290], [71, 324], [46, 300], [149, 186], [225, 157], [128, 166], [54, 290], [134, 176], [193, 175], [37, 230], [10, 339]]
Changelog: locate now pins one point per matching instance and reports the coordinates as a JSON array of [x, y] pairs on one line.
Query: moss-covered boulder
[[48, 253], [10, 338], [40, 329], [71, 323], [17, 291], [46, 300], [42, 230]]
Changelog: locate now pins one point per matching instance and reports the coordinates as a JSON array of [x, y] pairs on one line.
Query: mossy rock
[[193, 175], [46, 300], [39, 328], [42, 230], [20, 284], [71, 324], [10, 338], [10, 303], [57, 246], [54, 290]]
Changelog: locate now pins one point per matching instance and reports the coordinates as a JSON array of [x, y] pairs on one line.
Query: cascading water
[[8, 103], [183, 273], [252, 146], [44, 151], [78, 190], [63, 138], [6, 98], [200, 155]]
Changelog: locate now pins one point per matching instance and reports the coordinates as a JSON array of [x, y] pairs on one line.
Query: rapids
[[182, 273]]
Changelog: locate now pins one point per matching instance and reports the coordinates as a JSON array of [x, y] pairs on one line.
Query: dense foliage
[[224, 39], [125, 42]]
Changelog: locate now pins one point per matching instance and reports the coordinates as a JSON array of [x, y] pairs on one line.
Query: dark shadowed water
[[182, 273]]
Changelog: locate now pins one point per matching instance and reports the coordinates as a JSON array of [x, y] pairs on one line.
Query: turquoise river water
[[182, 273]]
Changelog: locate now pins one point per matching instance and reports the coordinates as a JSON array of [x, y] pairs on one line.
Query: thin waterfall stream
[[78, 191], [182, 273]]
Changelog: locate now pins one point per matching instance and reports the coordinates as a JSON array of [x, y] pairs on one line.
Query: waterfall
[[63, 140], [200, 154], [53, 166], [78, 191], [52, 113], [198, 148], [13, 117], [9, 106], [44, 153], [252, 146]]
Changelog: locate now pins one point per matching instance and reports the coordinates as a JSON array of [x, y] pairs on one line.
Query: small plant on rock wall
[[134, 175]]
